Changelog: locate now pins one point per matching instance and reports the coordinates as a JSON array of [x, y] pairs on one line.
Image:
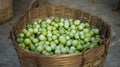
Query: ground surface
[[8, 56]]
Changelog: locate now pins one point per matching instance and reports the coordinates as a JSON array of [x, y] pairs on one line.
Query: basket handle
[[37, 3]]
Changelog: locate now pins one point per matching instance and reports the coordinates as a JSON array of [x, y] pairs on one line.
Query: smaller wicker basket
[[6, 10], [88, 58]]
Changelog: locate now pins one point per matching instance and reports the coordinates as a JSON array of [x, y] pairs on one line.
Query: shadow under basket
[[89, 58]]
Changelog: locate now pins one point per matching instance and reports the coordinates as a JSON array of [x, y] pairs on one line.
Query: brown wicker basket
[[88, 58], [6, 10]]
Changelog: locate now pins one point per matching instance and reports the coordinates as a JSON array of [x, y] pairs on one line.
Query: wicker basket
[[88, 58], [6, 10]]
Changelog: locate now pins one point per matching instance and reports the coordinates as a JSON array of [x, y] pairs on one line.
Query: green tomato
[[66, 26], [63, 50], [72, 48], [93, 39], [77, 52], [61, 24], [45, 33], [77, 22], [42, 42], [56, 25], [24, 31], [49, 34], [28, 34], [53, 23], [62, 40], [21, 35], [49, 21], [57, 51], [48, 48], [71, 51], [69, 42], [86, 39], [73, 27], [44, 25], [67, 37], [53, 46], [82, 36], [43, 30], [71, 35], [51, 53], [62, 31], [81, 26], [36, 30], [87, 25], [27, 41], [22, 45], [55, 32], [37, 44], [93, 46], [58, 34], [54, 28], [31, 38], [47, 43], [32, 47], [57, 19], [81, 42], [81, 33], [42, 37], [58, 47], [35, 23], [85, 45], [50, 39], [49, 28], [29, 26], [20, 40], [88, 35], [27, 47], [96, 31], [79, 47], [39, 21], [66, 22], [56, 41], [70, 20], [91, 33], [67, 49], [35, 40], [76, 36], [61, 19], [86, 30], [73, 31], [61, 46], [74, 42], [44, 52], [30, 30], [37, 26]]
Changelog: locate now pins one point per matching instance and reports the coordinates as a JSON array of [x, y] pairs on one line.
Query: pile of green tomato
[[55, 36]]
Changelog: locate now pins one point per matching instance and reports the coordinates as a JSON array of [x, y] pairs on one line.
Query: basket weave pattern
[[89, 58], [6, 10]]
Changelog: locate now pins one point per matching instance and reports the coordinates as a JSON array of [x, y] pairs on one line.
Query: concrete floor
[[8, 56]]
